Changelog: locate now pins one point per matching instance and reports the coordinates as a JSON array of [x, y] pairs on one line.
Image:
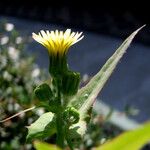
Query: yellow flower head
[[57, 42]]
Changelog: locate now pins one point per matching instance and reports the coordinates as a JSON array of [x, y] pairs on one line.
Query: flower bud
[[70, 82]]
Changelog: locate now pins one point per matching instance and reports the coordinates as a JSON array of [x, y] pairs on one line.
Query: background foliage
[[18, 77]]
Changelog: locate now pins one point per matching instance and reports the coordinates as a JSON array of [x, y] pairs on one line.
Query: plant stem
[[70, 144], [59, 118], [60, 130]]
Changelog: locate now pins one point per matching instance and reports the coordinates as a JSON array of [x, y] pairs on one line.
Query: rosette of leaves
[[19, 75], [69, 108]]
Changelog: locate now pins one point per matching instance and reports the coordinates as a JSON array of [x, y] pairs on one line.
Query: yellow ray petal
[[57, 42]]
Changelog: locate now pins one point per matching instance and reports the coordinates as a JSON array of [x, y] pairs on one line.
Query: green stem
[[69, 142], [60, 130], [59, 119]]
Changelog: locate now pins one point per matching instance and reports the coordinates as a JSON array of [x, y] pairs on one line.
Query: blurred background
[[104, 27]]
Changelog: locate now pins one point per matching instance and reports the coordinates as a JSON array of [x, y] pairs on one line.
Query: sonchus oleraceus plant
[[68, 107]]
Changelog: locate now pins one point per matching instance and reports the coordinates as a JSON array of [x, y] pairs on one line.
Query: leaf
[[43, 127], [43, 92], [45, 146], [77, 130], [87, 95], [131, 140]]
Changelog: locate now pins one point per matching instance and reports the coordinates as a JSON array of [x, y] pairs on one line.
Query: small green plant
[[68, 107]]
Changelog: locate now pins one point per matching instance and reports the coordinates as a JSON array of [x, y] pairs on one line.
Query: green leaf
[[45, 146], [131, 140], [43, 92], [87, 95], [42, 128], [76, 131], [71, 116]]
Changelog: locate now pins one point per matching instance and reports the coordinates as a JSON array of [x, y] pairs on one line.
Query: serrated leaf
[[45, 146], [131, 140], [87, 95], [43, 127]]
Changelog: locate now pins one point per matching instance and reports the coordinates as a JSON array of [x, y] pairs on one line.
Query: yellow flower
[[57, 42]]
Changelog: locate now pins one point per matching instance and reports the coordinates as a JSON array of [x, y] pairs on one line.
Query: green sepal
[[58, 65], [70, 82], [43, 92]]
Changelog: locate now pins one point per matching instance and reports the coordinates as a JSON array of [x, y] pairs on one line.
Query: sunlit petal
[[57, 42]]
